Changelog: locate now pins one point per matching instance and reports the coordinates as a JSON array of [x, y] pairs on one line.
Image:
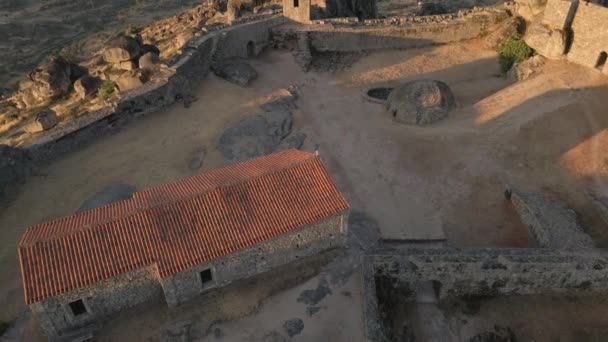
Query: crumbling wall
[[302, 242], [590, 35], [480, 272], [101, 300]]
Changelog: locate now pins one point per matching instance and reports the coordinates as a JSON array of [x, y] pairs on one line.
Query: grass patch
[[107, 90], [513, 50]]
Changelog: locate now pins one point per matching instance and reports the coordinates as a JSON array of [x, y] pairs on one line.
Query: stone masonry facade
[[110, 296], [305, 241], [101, 300]]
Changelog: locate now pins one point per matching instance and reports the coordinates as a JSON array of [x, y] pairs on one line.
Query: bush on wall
[[513, 50]]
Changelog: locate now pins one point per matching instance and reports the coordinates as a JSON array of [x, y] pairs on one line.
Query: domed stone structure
[[421, 102]]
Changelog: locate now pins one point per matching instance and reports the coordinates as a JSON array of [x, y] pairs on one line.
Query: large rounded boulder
[[122, 49], [421, 102]]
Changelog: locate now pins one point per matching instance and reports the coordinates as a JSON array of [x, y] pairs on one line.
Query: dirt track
[[416, 182]]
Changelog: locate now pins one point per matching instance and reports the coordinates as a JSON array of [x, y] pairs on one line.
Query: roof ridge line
[[181, 199]]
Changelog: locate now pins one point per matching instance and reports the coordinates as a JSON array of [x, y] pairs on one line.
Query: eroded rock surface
[[86, 87], [550, 43], [259, 135], [50, 81], [42, 121], [421, 102], [238, 72]]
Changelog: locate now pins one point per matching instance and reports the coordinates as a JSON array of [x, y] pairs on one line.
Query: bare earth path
[[415, 182]]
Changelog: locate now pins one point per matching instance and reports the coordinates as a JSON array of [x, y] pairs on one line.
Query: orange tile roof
[[179, 225]]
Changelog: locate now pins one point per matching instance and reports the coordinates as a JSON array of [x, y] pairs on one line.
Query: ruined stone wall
[[101, 300], [590, 35], [483, 272], [236, 41], [406, 32], [299, 14], [305, 241]]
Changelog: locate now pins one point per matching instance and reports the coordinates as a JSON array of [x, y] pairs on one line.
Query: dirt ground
[[436, 182]]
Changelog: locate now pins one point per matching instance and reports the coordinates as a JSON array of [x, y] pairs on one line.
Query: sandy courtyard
[[417, 183]]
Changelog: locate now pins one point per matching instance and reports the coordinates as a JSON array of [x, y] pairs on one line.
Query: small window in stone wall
[[296, 3], [78, 307], [206, 277]]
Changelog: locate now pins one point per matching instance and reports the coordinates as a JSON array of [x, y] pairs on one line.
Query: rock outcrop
[[149, 60], [420, 102], [122, 49], [131, 79], [50, 81], [86, 87], [530, 8], [238, 72], [260, 135], [42, 121], [550, 43]]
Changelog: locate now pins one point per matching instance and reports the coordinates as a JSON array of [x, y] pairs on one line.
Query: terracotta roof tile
[[179, 225]]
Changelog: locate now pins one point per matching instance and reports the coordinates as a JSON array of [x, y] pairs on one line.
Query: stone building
[[297, 10], [181, 239]]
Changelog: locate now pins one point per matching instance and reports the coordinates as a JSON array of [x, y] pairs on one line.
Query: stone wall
[[303, 242], [590, 35], [344, 35], [101, 300], [246, 40], [299, 14], [480, 272]]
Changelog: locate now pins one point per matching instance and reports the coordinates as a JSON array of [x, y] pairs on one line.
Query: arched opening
[[251, 49], [601, 60]]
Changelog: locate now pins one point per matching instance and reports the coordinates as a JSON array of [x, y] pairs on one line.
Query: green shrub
[[3, 327], [132, 30], [513, 50], [107, 90]]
